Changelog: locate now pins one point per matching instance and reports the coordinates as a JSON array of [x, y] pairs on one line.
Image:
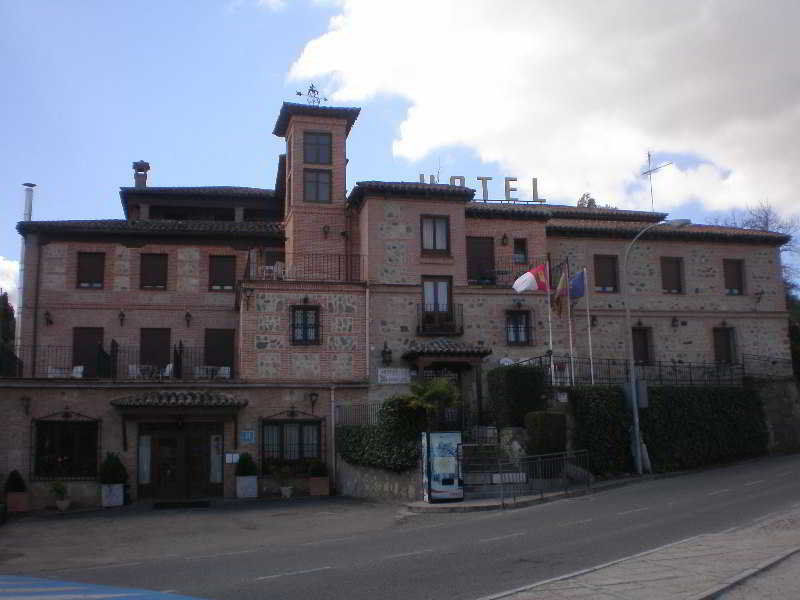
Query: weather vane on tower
[[312, 96]]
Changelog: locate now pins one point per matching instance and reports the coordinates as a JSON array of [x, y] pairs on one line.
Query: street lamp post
[[637, 438]]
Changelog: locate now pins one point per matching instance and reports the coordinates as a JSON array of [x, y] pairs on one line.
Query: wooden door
[[480, 259], [167, 473], [86, 345]]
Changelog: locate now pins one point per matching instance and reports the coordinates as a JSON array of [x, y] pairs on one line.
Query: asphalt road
[[468, 556]]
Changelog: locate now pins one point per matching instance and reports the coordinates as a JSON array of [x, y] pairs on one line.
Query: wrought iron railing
[[115, 362], [437, 319], [262, 266], [767, 366], [502, 271]]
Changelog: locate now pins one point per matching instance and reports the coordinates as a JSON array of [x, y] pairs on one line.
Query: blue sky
[[194, 88]]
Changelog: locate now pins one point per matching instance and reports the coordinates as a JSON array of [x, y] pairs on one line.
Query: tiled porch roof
[[180, 399], [445, 347], [154, 227]]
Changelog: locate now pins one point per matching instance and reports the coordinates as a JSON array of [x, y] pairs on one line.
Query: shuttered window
[[480, 260], [87, 344], [221, 273], [518, 327], [724, 345], [435, 233], [672, 275], [153, 272], [91, 269], [642, 345], [734, 276], [606, 278], [317, 186], [317, 148], [154, 347], [520, 251], [219, 347]]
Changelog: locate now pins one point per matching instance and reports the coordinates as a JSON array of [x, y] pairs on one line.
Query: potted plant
[[113, 476], [283, 475], [318, 482], [17, 496], [246, 477], [59, 490]]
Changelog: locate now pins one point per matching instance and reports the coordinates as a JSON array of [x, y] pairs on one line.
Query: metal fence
[[767, 366], [298, 266], [488, 472], [358, 414]]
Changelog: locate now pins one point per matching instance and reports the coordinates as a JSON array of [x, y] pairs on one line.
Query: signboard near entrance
[[391, 375], [231, 458], [441, 473], [248, 436]]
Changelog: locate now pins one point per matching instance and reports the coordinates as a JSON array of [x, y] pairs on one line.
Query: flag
[[535, 279], [560, 294], [577, 285]]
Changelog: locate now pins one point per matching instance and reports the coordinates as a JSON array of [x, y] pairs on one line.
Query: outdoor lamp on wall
[[594, 320], [312, 399], [48, 318], [121, 317], [675, 321], [504, 239], [326, 229], [386, 354], [188, 318]]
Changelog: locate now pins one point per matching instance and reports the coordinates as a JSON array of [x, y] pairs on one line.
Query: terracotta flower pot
[[319, 486], [63, 505], [18, 502]]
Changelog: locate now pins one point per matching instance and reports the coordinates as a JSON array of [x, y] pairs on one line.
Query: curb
[[715, 592]]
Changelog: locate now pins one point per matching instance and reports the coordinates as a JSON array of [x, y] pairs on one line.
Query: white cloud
[[575, 93], [275, 5], [9, 270]]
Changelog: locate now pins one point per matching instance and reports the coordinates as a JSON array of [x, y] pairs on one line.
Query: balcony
[[434, 319], [501, 271], [117, 363], [346, 268]]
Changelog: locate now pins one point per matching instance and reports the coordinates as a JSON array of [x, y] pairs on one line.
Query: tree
[[7, 320], [586, 201]]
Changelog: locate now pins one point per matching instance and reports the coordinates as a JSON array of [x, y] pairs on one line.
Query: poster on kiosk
[[441, 476]]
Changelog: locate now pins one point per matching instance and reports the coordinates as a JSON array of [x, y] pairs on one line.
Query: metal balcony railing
[[263, 266], [502, 271], [436, 319]]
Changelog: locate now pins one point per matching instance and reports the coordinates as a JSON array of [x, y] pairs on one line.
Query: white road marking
[[329, 540], [292, 573], [114, 566], [635, 510], [718, 492], [168, 591], [756, 482], [568, 523], [783, 474], [405, 554], [502, 537], [220, 554]]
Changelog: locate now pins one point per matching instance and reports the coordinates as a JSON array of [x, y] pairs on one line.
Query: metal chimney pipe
[[26, 216]]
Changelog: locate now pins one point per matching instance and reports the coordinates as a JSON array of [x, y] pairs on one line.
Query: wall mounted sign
[[460, 180], [247, 436], [231, 458], [394, 375]]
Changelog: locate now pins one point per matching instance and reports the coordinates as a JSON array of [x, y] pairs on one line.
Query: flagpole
[[588, 321], [569, 329], [550, 326]]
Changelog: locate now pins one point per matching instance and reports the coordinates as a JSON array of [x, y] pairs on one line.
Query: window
[[435, 234], [221, 273], [306, 325], [480, 260], [66, 449], [436, 294], [672, 275], [520, 251], [219, 348], [291, 440], [518, 327], [154, 347], [734, 276], [317, 186], [87, 347], [153, 272], [317, 148], [724, 345], [605, 274], [642, 345], [91, 267]]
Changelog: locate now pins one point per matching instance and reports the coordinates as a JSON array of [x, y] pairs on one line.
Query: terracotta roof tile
[[180, 399], [289, 109], [209, 190], [154, 227], [408, 188], [531, 210], [445, 347]]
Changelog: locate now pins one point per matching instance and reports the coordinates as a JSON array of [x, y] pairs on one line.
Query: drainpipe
[[26, 216], [333, 434], [36, 305]]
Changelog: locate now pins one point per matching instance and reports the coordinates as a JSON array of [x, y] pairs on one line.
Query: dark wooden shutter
[[86, 344], [734, 276], [219, 347], [671, 274], [154, 347], [723, 345], [153, 273], [605, 273], [91, 269], [641, 345], [480, 259], [222, 272]]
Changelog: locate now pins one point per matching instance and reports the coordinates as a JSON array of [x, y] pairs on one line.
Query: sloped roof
[[289, 109], [208, 190], [534, 211], [445, 347], [154, 227], [408, 188], [180, 399]]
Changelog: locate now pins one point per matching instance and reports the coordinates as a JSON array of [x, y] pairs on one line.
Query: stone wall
[[376, 484], [782, 410]]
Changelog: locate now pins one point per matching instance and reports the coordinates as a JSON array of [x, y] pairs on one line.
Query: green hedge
[[689, 427], [547, 432], [601, 426], [514, 391], [392, 445]]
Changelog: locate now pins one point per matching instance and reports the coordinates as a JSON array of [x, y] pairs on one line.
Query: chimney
[[27, 214], [140, 169]]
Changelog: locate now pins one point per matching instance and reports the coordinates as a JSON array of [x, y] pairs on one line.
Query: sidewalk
[[758, 561]]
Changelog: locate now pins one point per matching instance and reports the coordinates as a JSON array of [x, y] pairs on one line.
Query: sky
[[572, 93]]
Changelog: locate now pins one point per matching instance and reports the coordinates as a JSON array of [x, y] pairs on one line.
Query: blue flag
[[577, 285]]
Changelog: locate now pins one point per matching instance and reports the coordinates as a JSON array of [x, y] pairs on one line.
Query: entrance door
[[165, 467]]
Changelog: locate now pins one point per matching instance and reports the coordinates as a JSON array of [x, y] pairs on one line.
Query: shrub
[[516, 390], [15, 483], [246, 467], [112, 471], [547, 432], [317, 468], [59, 490], [602, 423]]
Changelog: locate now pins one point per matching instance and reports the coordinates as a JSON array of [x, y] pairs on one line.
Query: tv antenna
[[649, 172], [312, 96]]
